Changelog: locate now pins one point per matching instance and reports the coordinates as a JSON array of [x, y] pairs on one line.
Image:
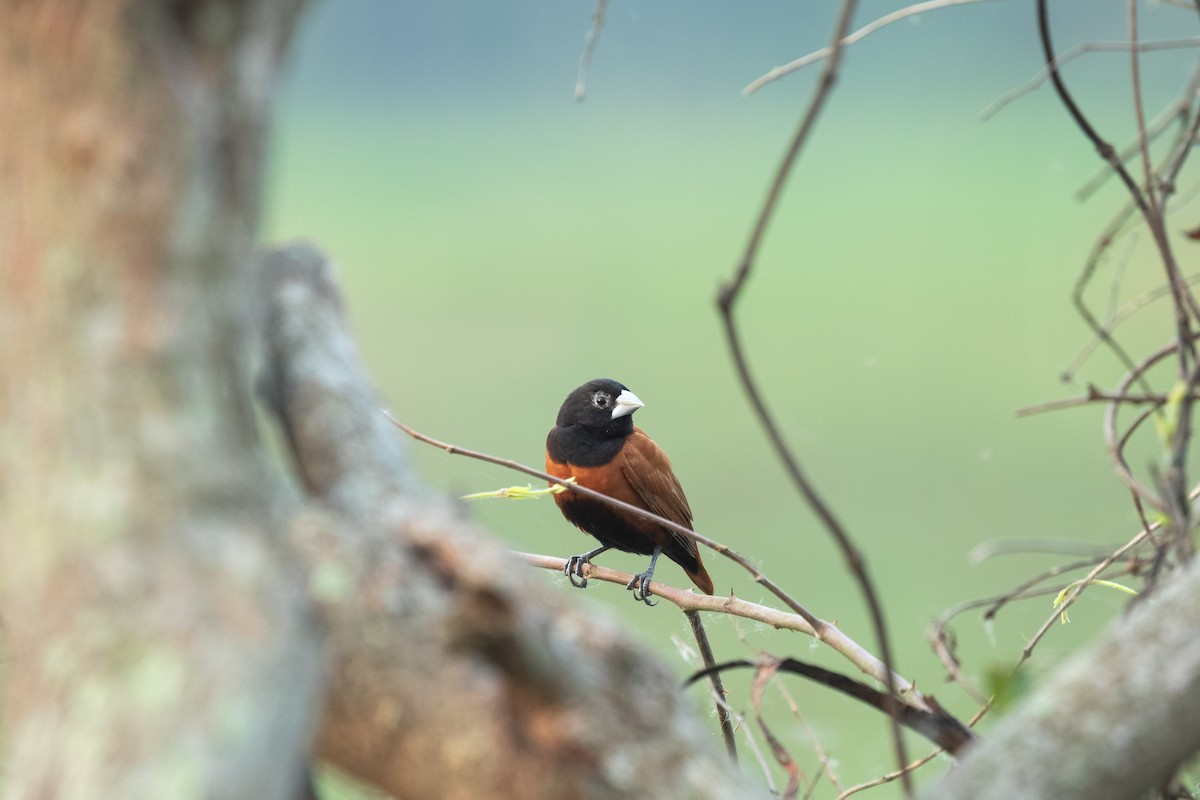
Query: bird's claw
[[640, 585], [574, 567], [575, 564]]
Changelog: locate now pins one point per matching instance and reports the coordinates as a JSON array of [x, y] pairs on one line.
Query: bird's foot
[[575, 564], [574, 567], [640, 585]]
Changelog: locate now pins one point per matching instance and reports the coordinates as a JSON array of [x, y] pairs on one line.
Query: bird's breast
[[607, 479]]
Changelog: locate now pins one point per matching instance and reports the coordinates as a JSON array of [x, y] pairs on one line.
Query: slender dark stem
[[1185, 106], [808, 121], [1139, 111], [1094, 395], [937, 726], [718, 685], [1184, 301], [1106, 150], [1085, 277], [726, 298], [1151, 206]]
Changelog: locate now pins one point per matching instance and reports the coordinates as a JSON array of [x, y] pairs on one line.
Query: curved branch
[[938, 727], [726, 299], [1062, 58], [1116, 444], [776, 73], [1103, 147]]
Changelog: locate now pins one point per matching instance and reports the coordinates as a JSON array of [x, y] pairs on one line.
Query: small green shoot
[[519, 492], [1167, 420], [1061, 597]]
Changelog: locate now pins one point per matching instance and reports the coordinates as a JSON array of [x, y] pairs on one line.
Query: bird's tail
[[700, 577]]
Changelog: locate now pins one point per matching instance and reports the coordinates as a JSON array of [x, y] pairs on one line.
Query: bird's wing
[[649, 473]]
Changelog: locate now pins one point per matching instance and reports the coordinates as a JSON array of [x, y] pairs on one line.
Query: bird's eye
[[601, 400]]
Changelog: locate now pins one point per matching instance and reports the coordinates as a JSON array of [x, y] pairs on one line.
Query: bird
[[595, 442]]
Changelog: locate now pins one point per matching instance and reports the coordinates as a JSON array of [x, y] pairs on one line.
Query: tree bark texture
[[178, 621], [156, 641]]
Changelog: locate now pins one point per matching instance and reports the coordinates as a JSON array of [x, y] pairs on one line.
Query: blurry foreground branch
[[455, 671], [1115, 721]]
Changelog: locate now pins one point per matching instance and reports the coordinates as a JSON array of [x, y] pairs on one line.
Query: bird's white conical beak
[[627, 403]]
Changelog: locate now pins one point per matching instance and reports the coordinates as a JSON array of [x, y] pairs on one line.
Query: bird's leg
[[575, 566], [641, 582]]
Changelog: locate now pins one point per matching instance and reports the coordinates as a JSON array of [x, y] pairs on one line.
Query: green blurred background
[[500, 243]]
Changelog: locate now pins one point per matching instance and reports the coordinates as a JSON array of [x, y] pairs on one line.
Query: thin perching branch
[[802, 621], [759, 578]]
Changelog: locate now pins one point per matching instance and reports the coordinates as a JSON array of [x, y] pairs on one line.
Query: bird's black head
[[602, 407], [593, 424]]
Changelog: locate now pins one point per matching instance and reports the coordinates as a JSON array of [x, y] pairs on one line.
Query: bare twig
[[1081, 585], [934, 724], [726, 298], [589, 49], [1094, 395], [920, 762], [1037, 80], [1025, 589], [891, 776], [1139, 109], [1187, 139], [817, 55], [748, 730], [1105, 150], [764, 671], [718, 686], [1123, 313], [1179, 109], [1185, 305], [822, 756], [939, 635], [1103, 243], [990, 548], [687, 600], [1116, 444]]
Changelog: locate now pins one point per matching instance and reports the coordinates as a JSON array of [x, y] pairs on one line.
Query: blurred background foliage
[[500, 243]]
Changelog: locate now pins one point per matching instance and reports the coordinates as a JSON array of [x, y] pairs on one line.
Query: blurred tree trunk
[[157, 578], [156, 642], [456, 671], [177, 624]]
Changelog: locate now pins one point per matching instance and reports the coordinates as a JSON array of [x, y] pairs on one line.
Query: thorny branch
[[823, 631]]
